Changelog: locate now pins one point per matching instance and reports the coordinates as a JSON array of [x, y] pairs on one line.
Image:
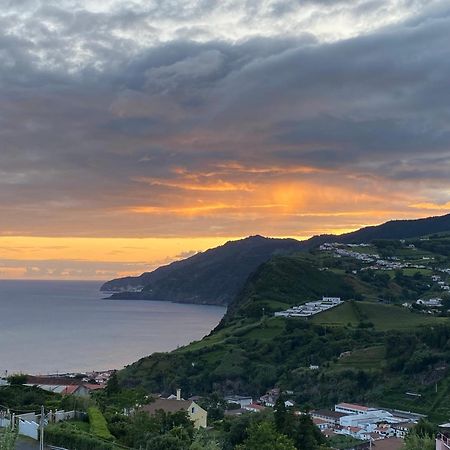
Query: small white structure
[[432, 302]]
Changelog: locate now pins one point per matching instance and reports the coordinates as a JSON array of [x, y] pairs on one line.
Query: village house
[[172, 405], [64, 385], [271, 397], [332, 417], [321, 424], [254, 407], [239, 400], [401, 429], [356, 432]]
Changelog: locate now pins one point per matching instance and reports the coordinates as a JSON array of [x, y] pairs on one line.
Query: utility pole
[[41, 429]]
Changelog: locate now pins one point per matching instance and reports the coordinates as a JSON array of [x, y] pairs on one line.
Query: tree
[[306, 435], [18, 379], [415, 441], [112, 387], [284, 418], [203, 440], [264, 436], [424, 429], [215, 405], [165, 442], [280, 414], [7, 439]]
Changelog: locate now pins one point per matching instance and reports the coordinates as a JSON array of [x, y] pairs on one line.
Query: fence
[[28, 423], [29, 429]]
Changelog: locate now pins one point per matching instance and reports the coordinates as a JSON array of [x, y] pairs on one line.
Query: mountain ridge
[[215, 276], [374, 348]]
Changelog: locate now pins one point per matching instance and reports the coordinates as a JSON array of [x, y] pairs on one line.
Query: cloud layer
[[207, 118]]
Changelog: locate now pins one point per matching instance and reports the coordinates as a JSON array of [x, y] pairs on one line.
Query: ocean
[[66, 326]]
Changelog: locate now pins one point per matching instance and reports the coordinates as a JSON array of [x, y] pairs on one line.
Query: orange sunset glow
[[143, 140]]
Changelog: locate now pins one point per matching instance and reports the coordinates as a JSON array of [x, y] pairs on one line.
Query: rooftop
[[328, 413], [352, 406], [167, 405]]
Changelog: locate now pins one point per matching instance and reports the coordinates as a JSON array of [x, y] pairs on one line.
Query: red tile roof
[[69, 390], [353, 406], [255, 406], [53, 381], [166, 405], [318, 421]]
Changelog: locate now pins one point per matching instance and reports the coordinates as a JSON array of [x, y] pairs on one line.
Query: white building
[[432, 302], [350, 408]]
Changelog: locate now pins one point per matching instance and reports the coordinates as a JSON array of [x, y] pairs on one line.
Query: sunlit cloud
[[136, 132], [217, 186]]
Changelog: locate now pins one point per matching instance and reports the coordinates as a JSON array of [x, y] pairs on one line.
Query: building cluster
[[364, 423], [441, 283], [79, 387], [310, 308], [431, 302], [435, 302], [377, 263], [243, 404], [175, 403], [376, 427], [345, 250]]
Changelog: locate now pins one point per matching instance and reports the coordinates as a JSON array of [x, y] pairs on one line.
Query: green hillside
[[286, 281], [212, 277], [382, 317], [367, 350], [217, 275]]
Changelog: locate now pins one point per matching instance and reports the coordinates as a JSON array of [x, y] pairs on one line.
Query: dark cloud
[[94, 100]]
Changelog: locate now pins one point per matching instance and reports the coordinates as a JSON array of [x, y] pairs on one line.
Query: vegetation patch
[[98, 424]]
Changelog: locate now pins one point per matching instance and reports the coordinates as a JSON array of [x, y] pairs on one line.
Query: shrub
[[69, 437], [98, 424]]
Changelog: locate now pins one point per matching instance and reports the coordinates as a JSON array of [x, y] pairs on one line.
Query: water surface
[[59, 326]]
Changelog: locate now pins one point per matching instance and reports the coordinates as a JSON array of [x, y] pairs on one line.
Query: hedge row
[[98, 424], [69, 437]]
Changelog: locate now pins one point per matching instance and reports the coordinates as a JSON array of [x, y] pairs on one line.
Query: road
[[27, 444]]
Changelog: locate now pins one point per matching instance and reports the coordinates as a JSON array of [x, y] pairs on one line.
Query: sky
[[134, 133]]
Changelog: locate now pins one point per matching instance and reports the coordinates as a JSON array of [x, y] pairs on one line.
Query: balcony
[[442, 442]]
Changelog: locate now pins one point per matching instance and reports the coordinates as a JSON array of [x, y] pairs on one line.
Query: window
[[193, 410]]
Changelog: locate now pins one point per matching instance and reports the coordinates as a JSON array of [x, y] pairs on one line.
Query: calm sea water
[[56, 326]]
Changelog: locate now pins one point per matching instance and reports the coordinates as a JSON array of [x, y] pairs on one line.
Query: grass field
[[365, 358], [383, 317], [411, 272]]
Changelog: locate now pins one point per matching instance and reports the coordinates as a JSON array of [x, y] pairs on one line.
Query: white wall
[[30, 429]]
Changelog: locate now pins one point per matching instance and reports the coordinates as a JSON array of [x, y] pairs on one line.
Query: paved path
[[27, 444]]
